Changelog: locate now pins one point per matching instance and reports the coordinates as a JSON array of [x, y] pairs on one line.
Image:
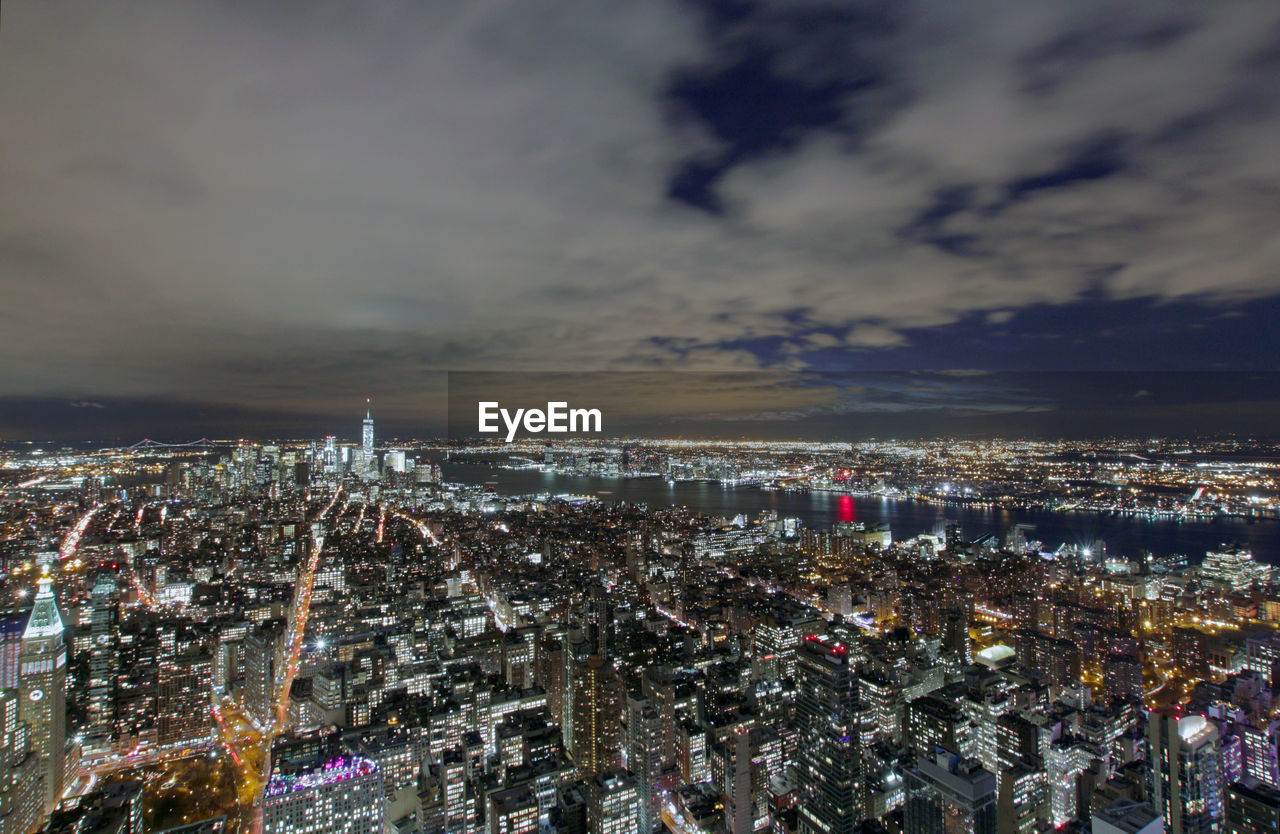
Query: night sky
[[245, 216]]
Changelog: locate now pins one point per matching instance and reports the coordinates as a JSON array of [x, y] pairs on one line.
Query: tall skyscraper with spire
[[366, 440], [42, 687]]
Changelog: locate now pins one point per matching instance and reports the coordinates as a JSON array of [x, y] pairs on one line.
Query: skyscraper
[[742, 765], [43, 688], [597, 710], [644, 756], [262, 651], [103, 658], [366, 442], [956, 649], [828, 724], [1186, 771], [184, 684], [330, 455]]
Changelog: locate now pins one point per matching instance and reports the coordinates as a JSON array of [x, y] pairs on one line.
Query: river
[[1124, 535]]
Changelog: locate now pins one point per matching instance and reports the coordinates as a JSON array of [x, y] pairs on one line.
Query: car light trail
[[72, 540], [298, 628], [423, 529]]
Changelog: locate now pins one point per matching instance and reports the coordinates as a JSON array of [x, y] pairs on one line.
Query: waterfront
[[1124, 535]]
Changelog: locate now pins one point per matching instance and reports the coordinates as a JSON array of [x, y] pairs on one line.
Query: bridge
[[148, 443]]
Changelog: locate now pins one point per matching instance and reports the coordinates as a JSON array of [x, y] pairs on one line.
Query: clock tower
[[42, 688]]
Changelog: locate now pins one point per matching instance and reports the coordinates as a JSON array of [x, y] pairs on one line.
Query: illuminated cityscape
[[616, 417], [332, 636]]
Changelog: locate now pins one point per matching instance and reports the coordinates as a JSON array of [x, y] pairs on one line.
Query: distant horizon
[[765, 405], [500, 446]]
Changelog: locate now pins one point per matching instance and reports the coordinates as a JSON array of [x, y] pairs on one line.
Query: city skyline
[[713, 638], [615, 417]]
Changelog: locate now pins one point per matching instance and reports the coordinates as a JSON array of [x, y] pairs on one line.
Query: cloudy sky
[[265, 210]]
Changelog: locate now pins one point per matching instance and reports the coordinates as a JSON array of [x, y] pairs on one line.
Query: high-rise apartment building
[[613, 803], [511, 811], [1252, 808], [1186, 771], [11, 628], [644, 756], [828, 725], [184, 688], [597, 714]]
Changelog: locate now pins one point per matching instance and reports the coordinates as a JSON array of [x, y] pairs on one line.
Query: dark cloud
[[284, 206], [930, 224], [1095, 160], [1115, 31]]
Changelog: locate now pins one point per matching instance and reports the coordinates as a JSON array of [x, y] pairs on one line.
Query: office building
[[341, 796], [613, 803], [367, 454], [511, 811], [263, 648], [949, 794], [21, 785], [184, 689], [43, 689]]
